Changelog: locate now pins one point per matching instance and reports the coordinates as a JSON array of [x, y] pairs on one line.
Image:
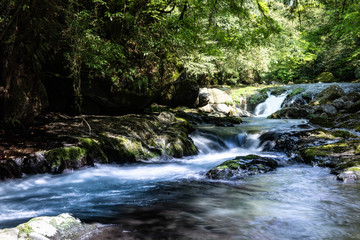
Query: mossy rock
[[241, 167], [94, 151], [296, 91], [322, 120], [123, 149], [257, 98], [328, 95], [350, 174], [276, 91], [343, 134], [330, 155], [60, 159]]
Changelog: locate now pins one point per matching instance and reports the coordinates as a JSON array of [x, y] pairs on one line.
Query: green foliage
[[138, 46]]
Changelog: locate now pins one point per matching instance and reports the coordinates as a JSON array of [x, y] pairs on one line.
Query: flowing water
[[174, 200], [271, 105]]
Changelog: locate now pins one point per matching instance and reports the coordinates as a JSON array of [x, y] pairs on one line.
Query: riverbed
[[172, 199]]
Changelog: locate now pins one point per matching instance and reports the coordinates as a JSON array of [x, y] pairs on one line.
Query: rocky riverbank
[[60, 143]]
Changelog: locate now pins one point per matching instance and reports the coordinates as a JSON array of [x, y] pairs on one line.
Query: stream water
[[174, 200]]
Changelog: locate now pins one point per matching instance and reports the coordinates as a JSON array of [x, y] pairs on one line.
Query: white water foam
[[271, 105]]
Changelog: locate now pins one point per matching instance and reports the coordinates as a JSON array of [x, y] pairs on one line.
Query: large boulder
[[241, 167], [183, 92], [328, 95], [219, 103]]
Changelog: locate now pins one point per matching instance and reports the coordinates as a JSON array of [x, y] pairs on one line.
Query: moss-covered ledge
[[96, 139], [343, 158]]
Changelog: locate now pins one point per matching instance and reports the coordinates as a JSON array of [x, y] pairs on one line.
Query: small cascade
[[271, 105], [208, 143]]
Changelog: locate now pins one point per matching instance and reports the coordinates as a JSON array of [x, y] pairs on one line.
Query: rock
[[339, 103], [204, 97], [350, 174], [9, 169], [60, 159], [293, 112], [183, 92], [220, 104], [328, 95], [329, 109], [334, 155], [353, 108], [291, 142], [325, 77], [35, 164], [241, 167], [223, 108], [219, 97], [122, 139], [353, 96], [63, 226]]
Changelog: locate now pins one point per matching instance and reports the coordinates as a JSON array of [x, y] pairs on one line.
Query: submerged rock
[[63, 226], [241, 167]]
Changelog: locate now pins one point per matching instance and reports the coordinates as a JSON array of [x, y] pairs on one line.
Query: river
[[172, 198]]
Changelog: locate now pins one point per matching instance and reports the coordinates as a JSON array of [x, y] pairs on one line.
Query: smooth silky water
[[172, 199]]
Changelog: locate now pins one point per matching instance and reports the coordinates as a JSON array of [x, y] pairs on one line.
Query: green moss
[[229, 103], [296, 91], [276, 91], [354, 169], [94, 150], [25, 229], [58, 156], [124, 149], [343, 134], [324, 134], [312, 152], [229, 164], [246, 92], [357, 150], [257, 98]]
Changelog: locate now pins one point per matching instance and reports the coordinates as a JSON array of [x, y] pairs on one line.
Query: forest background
[[71, 56]]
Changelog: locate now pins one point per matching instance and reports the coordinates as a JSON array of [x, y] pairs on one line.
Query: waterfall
[[271, 105]]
